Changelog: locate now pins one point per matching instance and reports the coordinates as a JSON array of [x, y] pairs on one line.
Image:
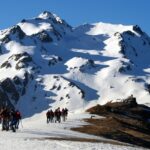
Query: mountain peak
[[49, 15], [46, 15], [53, 17]]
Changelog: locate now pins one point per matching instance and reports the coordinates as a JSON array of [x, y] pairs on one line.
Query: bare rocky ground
[[124, 121]]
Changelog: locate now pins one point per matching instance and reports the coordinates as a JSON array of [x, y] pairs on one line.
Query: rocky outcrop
[[12, 89], [8, 86], [124, 121], [126, 108], [137, 29], [54, 60], [126, 66], [4, 100], [21, 84], [66, 87], [43, 37], [147, 87], [6, 64], [15, 31], [5, 39], [129, 33], [88, 65], [126, 48], [21, 60], [24, 57]]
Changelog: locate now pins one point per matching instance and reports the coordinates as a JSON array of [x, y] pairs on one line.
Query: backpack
[[18, 115]]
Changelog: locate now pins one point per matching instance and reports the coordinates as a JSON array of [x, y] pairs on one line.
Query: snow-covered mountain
[[44, 62]]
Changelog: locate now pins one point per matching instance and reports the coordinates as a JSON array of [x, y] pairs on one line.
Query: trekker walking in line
[[57, 115], [51, 116], [5, 115], [66, 113], [18, 118], [48, 116], [63, 114]]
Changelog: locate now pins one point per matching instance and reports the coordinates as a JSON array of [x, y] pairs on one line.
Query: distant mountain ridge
[[44, 62]]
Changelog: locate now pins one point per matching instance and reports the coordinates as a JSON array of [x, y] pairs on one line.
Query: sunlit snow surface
[[33, 131]]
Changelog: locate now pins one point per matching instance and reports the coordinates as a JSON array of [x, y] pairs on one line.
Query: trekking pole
[[21, 123]]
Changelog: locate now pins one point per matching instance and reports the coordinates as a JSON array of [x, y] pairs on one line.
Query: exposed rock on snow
[[9, 87], [43, 37], [124, 121], [14, 33]]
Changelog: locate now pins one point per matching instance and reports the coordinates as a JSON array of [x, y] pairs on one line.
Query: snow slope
[[47, 63], [34, 131]]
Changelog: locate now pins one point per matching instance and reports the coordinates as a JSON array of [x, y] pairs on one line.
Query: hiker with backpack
[[51, 116], [63, 114], [57, 115], [15, 119], [48, 116], [18, 118], [66, 113], [5, 116]]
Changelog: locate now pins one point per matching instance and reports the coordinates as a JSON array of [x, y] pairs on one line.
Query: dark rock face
[[26, 56], [6, 39], [6, 64], [26, 79], [14, 31], [43, 37], [10, 90], [127, 107], [21, 83], [23, 60], [123, 44], [125, 67], [54, 60], [131, 101], [137, 29], [17, 80], [147, 87], [90, 64], [4, 100], [8, 86], [128, 33], [17, 30], [123, 47]]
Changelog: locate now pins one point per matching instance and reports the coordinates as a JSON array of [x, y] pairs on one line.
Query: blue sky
[[77, 12]]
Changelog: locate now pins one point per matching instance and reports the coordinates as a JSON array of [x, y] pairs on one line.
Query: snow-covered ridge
[[53, 64], [110, 29], [48, 15], [46, 21]]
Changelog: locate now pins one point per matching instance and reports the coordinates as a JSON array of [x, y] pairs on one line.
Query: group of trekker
[[9, 119], [55, 116]]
